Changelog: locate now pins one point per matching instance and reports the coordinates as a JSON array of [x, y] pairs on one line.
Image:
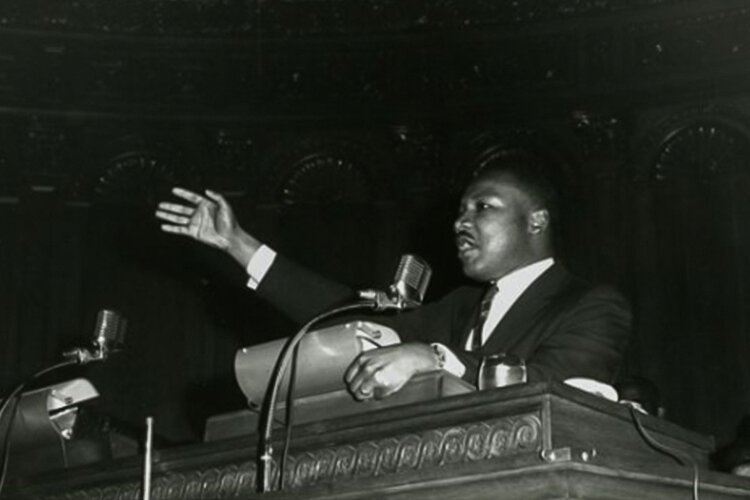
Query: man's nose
[[463, 221]]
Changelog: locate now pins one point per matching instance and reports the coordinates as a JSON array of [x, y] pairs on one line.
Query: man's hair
[[533, 176]]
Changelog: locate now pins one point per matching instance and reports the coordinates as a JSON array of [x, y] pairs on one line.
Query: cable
[[16, 394], [289, 416], [282, 362], [678, 455], [6, 440], [64, 451]]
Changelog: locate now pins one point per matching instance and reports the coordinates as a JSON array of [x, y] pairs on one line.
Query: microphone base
[[84, 356]]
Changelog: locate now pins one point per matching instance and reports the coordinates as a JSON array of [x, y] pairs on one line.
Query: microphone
[[408, 288], [109, 334]]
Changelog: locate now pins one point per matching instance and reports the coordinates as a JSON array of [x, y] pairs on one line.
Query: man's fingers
[[220, 201], [351, 371], [379, 373], [362, 376], [168, 216], [365, 391], [363, 386], [216, 197], [168, 228], [354, 367], [176, 208], [356, 382], [187, 195], [354, 375]]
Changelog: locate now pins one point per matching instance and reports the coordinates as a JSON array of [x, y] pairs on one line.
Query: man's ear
[[538, 221]]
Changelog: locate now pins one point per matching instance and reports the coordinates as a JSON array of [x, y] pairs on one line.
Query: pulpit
[[530, 441]]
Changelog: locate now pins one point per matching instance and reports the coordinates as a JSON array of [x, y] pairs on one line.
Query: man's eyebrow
[[484, 195]]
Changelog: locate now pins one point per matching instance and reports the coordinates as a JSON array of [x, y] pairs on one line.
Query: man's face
[[492, 228]]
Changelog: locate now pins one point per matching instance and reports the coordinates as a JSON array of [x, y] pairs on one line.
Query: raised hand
[[208, 219]]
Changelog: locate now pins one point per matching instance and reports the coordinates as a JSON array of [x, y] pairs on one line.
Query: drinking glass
[[499, 370]]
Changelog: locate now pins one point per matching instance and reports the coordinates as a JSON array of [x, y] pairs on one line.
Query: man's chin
[[474, 273]]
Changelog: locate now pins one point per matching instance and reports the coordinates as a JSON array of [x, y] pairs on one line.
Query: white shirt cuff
[[452, 365], [259, 265]]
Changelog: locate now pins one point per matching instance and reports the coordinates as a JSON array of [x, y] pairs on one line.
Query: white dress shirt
[[259, 265], [509, 288]]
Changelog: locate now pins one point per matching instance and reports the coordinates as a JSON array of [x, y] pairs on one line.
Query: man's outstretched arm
[[294, 290]]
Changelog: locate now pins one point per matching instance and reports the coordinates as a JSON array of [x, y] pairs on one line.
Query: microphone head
[[411, 280], [109, 332]]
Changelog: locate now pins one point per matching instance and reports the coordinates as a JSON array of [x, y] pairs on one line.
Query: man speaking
[[525, 303]]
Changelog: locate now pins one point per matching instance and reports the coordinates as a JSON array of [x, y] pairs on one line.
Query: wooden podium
[[536, 441]]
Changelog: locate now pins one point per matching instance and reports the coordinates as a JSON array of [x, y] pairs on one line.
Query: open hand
[[209, 219]]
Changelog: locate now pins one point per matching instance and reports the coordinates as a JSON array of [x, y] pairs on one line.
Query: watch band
[[440, 354]]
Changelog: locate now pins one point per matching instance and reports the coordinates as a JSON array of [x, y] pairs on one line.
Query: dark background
[[340, 132]]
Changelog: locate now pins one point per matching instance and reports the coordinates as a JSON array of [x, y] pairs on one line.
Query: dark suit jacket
[[561, 325]]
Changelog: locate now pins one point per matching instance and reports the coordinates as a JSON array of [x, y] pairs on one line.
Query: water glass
[[499, 370]]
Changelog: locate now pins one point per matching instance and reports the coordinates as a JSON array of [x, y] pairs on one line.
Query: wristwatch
[[440, 354]]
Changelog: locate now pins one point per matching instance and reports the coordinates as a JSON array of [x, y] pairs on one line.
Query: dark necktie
[[484, 310]]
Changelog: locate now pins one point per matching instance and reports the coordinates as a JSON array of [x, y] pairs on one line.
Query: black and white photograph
[[417, 249]]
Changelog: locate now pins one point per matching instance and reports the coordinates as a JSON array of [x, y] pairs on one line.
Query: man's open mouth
[[465, 243]]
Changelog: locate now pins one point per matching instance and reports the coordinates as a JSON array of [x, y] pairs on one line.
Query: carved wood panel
[[440, 448]]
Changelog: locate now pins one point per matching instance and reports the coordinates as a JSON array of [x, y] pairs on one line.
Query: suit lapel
[[523, 313]]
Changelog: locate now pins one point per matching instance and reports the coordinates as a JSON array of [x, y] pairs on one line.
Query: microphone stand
[[265, 461], [9, 400], [77, 356]]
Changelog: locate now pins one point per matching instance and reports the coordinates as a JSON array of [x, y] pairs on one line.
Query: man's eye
[[481, 206]]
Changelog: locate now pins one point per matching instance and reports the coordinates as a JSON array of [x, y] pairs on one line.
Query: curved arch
[[135, 171], [326, 169], [697, 143]]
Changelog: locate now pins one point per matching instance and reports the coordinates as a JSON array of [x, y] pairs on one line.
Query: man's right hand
[[208, 219]]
